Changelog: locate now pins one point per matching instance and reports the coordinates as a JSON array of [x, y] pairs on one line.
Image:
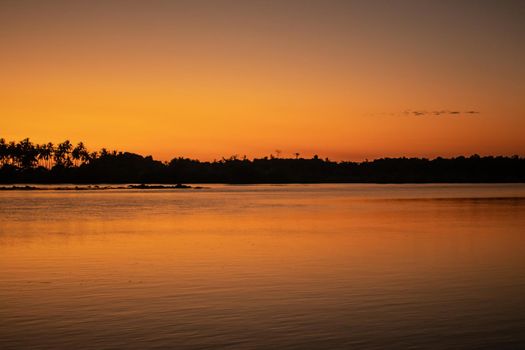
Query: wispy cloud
[[442, 112], [429, 113]]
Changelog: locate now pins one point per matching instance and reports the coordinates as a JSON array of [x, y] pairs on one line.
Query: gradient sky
[[205, 79]]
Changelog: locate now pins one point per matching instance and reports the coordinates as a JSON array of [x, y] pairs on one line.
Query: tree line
[[65, 162], [25, 154]]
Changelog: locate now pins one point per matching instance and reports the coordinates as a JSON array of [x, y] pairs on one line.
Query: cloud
[[442, 112], [428, 113]]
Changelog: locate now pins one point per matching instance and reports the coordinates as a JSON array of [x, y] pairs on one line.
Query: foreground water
[[264, 267]]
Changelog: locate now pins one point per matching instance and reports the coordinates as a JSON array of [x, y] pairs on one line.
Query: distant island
[[26, 162]]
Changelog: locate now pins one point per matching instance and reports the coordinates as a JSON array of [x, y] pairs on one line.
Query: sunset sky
[[347, 80]]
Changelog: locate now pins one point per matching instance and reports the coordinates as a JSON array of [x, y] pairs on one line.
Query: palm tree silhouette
[[27, 153], [40, 152], [45, 152], [62, 154], [78, 152], [3, 151]]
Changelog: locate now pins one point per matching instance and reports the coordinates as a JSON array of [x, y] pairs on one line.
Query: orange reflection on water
[[221, 264]]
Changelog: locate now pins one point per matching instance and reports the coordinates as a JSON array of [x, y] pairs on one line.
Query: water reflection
[[329, 266]]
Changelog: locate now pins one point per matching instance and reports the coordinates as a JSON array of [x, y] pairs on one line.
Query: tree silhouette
[[3, 151], [27, 153], [91, 156], [62, 154], [13, 152], [48, 150], [78, 153], [26, 162]]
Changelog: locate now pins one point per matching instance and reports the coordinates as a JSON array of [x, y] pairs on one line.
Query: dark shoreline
[[97, 187], [27, 163]]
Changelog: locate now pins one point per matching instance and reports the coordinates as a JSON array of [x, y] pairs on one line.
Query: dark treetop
[[25, 162]]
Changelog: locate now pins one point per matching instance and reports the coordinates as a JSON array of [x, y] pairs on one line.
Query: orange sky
[[207, 79]]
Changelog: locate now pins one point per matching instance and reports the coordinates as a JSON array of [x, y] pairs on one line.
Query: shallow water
[[266, 267]]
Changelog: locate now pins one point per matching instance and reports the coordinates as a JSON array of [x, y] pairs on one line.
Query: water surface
[[264, 267]]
